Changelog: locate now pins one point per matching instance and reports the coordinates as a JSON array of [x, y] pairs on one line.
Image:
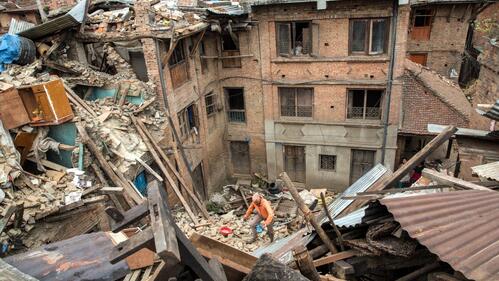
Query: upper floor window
[[230, 48], [421, 25], [187, 119], [179, 68], [296, 102], [364, 104], [294, 38], [210, 103], [235, 103], [369, 36]]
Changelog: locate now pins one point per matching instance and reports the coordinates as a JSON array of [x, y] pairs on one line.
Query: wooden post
[[131, 197], [388, 180], [307, 214], [331, 221], [162, 167], [172, 168], [305, 263], [416, 159]]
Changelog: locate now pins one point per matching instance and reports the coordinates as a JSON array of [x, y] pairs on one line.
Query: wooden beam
[[307, 213], [331, 221], [423, 270], [387, 181], [162, 167], [130, 196], [305, 263], [450, 180], [165, 238], [196, 45], [334, 257], [227, 255], [170, 165]]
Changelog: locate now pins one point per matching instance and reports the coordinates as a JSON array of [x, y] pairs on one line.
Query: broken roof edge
[[489, 170], [444, 89]]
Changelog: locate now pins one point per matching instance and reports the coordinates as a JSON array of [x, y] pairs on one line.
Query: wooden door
[[239, 151], [362, 161], [294, 162], [198, 181]]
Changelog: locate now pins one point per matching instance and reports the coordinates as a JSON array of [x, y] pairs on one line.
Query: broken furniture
[[12, 111], [163, 236], [46, 103]]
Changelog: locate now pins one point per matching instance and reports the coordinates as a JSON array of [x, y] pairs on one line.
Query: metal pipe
[[393, 32]]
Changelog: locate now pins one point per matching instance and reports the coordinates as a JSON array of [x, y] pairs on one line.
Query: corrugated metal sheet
[[492, 113], [17, 26], [73, 18], [229, 10], [361, 185], [490, 170], [461, 227]]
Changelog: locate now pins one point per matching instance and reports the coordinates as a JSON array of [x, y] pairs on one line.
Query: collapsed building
[[107, 104]]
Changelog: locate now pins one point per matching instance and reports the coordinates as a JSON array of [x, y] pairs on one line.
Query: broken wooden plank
[[306, 212], [165, 238], [131, 216], [334, 257], [156, 158], [305, 263], [165, 158], [387, 181], [111, 190], [144, 105], [423, 270], [149, 169], [450, 180], [49, 164], [76, 99], [130, 196], [217, 268], [227, 255], [331, 221]]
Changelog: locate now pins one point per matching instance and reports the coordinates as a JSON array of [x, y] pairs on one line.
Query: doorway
[[294, 162], [239, 151], [362, 161]]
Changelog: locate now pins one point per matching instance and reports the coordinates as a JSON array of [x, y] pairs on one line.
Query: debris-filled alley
[[254, 140]]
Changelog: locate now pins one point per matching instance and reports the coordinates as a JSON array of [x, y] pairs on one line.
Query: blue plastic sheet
[[10, 46], [141, 183]]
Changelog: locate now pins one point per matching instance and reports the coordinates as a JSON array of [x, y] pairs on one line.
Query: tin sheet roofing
[[73, 18], [229, 10], [490, 170], [361, 185], [461, 227], [492, 113]]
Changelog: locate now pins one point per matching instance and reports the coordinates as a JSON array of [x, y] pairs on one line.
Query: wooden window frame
[[422, 33], [227, 61], [181, 66], [335, 158], [184, 122], [210, 108], [368, 36], [292, 37], [364, 107], [235, 111], [296, 102]]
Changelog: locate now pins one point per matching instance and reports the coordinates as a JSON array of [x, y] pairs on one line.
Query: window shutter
[[284, 39], [315, 40]]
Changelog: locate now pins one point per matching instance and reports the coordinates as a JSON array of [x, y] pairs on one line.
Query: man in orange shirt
[[265, 213]]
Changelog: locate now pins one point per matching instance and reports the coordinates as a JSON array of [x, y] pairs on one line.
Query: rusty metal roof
[[461, 227]]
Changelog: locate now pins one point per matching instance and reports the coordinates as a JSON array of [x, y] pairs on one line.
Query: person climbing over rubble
[[264, 213]]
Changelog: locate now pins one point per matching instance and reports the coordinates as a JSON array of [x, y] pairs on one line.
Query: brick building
[[429, 98], [302, 91], [437, 33]]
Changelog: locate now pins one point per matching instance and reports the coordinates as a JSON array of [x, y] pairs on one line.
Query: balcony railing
[[296, 111], [372, 113], [237, 115]]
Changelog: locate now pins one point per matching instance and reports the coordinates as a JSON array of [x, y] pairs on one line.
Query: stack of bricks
[[56, 4]]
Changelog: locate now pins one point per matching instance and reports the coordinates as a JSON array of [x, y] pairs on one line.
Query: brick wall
[[421, 107], [55, 4], [447, 38]]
